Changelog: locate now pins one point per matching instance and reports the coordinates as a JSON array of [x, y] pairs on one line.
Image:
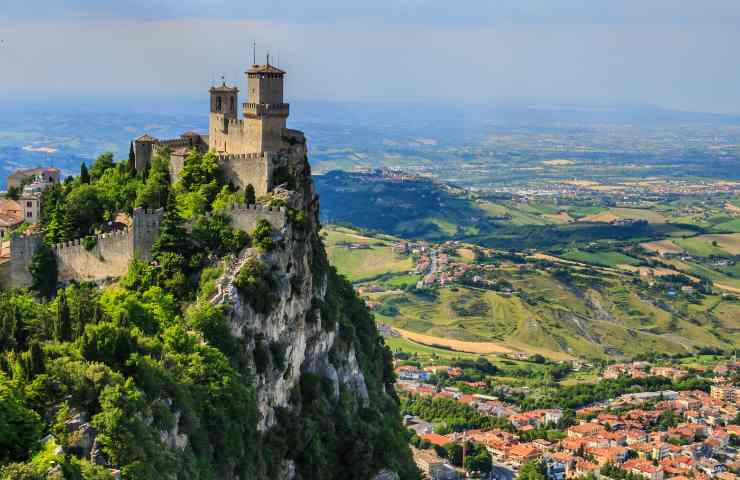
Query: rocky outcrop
[[293, 331]]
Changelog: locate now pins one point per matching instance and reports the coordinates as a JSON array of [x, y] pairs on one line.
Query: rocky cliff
[[315, 350]]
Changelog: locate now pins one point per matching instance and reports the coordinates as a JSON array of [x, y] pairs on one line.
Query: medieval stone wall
[[231, 135], [109, 258], [112, 253], [254, 168], [22, 249], [246, 217], [145, 231]]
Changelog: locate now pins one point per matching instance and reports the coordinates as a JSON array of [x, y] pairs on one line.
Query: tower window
[[233, 106], [218, 104]]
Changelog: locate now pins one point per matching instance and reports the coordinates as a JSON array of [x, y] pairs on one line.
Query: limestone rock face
[[293, 325]]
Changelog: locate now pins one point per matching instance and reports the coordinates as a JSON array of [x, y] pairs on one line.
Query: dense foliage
[[450, 415], [150, 364], [255, 282]]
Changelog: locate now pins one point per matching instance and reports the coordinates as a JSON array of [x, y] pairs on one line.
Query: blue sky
[[676, 54]]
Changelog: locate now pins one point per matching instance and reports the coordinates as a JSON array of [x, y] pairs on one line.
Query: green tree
[[155, 192], [43, 271], [255, 282], [14, 192], [131, 165], [454, 453], [64, 318], [262, 235], [250, 197], [101, 164], [84, 174], [532, 470], [20, 427], [86, 207], [173, 238], [36, 361]]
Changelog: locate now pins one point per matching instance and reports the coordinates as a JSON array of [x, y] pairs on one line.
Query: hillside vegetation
[[148, 377], [585, 305]]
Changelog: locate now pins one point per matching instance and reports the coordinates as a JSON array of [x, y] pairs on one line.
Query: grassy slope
[[559, 322], [363, 264]]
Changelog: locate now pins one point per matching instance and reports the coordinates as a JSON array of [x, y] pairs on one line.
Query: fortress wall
[[227, 134], [248, 168], [109, 258], [22, 249], [145, 231], [142, 155], [177, 162], [246, 217]]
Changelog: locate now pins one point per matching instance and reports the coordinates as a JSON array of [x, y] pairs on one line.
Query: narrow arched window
[[218, 104]]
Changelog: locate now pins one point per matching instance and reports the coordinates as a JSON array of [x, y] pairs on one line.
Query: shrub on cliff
[[257, 285], [89, 242], [262, 235]]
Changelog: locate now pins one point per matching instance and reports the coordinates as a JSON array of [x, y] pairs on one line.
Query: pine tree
[[250, 196], [84, 174], [64, 320], [131, 160], [36, 359], [172, 235]]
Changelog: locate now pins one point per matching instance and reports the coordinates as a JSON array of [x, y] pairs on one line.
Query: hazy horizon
[[675, 55]]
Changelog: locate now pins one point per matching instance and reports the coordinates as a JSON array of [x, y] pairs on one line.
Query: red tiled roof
[[435, 439]]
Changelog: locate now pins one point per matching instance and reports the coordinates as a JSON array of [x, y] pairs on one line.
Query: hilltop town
[[641, 421]]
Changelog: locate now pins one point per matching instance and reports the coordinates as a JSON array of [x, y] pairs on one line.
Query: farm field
[[707, 245], [662, 247], [730, 243], [606, 259], [362, 263]]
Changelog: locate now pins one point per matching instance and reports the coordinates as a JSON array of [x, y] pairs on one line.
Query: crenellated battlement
[[108, 257], [228, 157], [245, 217], [257, 208], [103, 240]]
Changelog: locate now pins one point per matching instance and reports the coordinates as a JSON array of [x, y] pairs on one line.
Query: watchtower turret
[[224, 100], [265, 112]]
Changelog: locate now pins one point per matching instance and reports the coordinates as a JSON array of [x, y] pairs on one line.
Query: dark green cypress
[[36, 359], [131, 159], [64, 320], [84, 173], [250, 197]]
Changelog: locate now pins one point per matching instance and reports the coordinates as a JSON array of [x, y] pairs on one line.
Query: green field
[[648, 215], [606, 259], [731, 226], [362, 264], [701, 247]]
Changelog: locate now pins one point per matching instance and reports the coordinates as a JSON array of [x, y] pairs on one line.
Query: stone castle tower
[[265, 114], [244, 145]]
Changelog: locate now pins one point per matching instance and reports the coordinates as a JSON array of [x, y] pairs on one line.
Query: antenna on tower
[[254, 53], [268, 58]]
